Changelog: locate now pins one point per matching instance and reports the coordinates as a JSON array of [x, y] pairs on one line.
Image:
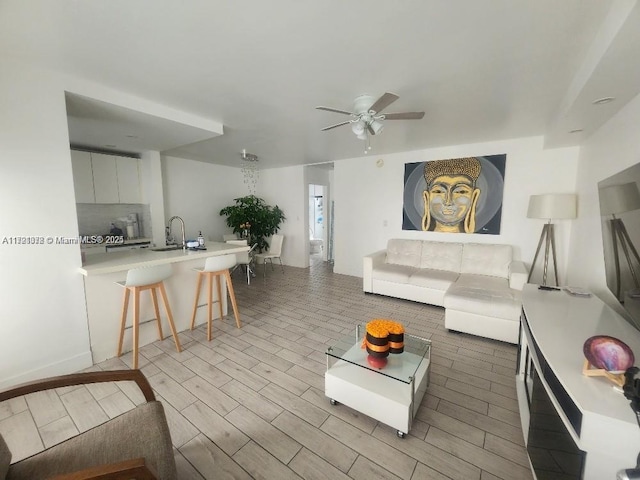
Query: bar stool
[[139, 279], [216, 267]]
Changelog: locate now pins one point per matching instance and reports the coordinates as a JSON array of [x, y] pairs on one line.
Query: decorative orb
[[377, 362], [608, 353]]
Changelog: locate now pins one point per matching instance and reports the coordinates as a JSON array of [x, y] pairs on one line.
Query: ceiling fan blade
[[371, 130], [404, 116], [383, 102], [336, 125], [328, 109]]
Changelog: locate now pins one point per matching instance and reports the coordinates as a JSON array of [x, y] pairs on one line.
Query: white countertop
[[121, 261]]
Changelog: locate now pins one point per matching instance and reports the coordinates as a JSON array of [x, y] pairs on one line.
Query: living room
[[43, 308]]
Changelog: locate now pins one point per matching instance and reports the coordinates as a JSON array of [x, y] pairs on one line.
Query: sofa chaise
[[479, 285]]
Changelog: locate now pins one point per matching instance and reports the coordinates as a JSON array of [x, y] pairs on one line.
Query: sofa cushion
[[441, 256], [483, 259], [484, 295], [392, 273], [435, 279], [5, 458], [404, 252]]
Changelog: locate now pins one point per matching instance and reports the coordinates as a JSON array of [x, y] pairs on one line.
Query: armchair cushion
[[5, 458], [141, 432]]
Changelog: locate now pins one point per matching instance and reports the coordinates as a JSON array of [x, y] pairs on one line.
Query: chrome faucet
[[184, 238]]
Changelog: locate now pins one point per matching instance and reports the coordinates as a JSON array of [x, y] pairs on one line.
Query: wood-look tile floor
[[251, 404]]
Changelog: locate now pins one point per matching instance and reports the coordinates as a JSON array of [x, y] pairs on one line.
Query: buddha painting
[[459, 195], [451, 196]]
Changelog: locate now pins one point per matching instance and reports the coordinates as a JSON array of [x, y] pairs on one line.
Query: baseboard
[[68, 365]]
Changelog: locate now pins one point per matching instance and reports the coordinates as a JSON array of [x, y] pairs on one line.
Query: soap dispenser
[[200, 239]]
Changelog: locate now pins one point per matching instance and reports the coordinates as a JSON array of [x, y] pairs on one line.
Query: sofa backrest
[[441, 256], [485, 259], [402, 251]]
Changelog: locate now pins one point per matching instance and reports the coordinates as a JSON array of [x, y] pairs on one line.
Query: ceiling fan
[[366, 118]]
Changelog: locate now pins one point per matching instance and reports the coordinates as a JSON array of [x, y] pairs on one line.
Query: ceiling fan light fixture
[[376, 126], [358, 128]]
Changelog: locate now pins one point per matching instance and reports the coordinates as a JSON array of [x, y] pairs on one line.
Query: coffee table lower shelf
[[386, 399]]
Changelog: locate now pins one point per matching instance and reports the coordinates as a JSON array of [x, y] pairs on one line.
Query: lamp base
[[548, 237]]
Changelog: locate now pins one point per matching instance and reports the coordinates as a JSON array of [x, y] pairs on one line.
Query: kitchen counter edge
[[121, 261]]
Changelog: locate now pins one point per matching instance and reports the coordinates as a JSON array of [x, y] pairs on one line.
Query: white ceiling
[[480, 69]]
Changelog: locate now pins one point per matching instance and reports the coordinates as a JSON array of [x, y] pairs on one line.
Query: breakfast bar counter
[[147, 257], [104, 296]]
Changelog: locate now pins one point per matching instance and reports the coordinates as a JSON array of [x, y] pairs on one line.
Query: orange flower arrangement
[[383, 337]]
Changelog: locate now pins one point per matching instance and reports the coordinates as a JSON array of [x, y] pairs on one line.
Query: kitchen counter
[[121, 261], [103, 294]]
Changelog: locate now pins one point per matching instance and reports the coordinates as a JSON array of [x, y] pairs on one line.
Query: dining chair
[[275, 251], [246, 260]]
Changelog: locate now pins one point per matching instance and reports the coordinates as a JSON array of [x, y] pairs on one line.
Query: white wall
[[43, 317], [197, 191], [368, 199], [287, 188], [614, 147]]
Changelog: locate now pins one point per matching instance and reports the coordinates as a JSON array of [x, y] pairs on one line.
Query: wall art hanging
[[457, 195]]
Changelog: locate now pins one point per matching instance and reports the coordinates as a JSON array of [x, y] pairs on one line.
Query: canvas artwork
[[458, 195]]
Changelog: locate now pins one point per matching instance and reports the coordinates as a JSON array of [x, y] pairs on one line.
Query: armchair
[[136, 444]]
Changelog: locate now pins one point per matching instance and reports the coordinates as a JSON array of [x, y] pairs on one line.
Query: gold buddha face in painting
[[451, 196]]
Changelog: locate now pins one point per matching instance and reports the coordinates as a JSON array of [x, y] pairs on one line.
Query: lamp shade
[[553, 205], [619, 198]]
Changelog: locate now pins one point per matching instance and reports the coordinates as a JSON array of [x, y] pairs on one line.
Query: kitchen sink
[[164, 249]]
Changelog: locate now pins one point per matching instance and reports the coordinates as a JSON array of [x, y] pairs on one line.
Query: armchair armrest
[[126, 470], [81, 379], [518, 275], [369, 262]]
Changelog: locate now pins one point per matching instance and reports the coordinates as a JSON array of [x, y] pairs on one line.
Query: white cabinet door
[[82, 176], [128, 179], [105, 178]]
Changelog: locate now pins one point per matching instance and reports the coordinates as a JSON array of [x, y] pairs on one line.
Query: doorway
[[317, 223]]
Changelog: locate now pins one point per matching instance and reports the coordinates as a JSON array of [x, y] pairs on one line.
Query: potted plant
[[253, 219]]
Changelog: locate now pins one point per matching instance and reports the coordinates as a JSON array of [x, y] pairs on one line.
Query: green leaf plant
[[252, 218]]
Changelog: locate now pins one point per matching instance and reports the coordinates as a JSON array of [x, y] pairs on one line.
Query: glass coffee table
[[391, 394]]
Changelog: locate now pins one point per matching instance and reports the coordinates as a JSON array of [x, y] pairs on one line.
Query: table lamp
[[616, 199], [550, 206]]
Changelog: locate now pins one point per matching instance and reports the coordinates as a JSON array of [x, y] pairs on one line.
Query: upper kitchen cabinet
[[102, 178], [128, 179], [82, 176], [105, 178]]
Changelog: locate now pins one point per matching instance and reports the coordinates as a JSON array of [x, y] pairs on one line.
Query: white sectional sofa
[[479, 285]]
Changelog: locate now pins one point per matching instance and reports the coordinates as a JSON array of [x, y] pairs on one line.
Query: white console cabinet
[[570, 420]]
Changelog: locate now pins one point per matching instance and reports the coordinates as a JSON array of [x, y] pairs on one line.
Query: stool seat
[[137, 280], [220, 262], [216, 266]]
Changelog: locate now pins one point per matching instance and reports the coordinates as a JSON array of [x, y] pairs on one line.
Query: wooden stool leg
[[136, 325], [163, 294], [232, 296], [219, 295], [154, 297], [209, 306], [195, 303], [123, 321]]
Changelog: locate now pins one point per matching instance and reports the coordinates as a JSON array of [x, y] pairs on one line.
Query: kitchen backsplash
[[96, 218]]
